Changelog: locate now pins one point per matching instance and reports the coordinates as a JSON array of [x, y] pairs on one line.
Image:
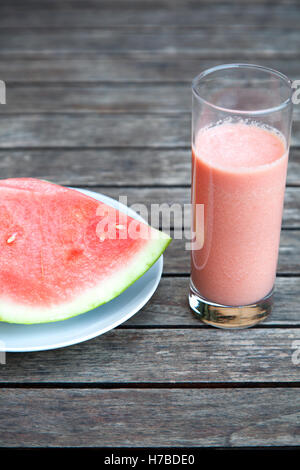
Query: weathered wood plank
[[119, 4], [93, 130], [105, 167], [109, 167], [121, 68], [291, 217], [148, 196], [177, 259], [119, 418], [107, 98], [104, 130], [164, 356], [169, 305], [202, 43], [195, 14]]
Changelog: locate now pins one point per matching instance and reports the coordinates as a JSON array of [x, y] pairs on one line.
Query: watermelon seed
[[11, 238]]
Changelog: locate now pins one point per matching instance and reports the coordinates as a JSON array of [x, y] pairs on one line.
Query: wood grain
[[57, 418], [89, 130], [181, 196], [115, 167], [107, 98], [100, 130], [279, 42], [161, 13], [169, 305], [124, 68], [183, 355]]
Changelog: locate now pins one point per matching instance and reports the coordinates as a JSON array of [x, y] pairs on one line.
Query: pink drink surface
[[239, 174]]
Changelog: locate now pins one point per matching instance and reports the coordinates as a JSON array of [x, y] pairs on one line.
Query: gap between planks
[[148, 385]]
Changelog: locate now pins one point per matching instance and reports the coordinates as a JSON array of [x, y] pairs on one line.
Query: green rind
[[11, 312]]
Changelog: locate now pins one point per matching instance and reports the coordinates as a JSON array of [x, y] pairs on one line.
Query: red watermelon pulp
[[64, 253]]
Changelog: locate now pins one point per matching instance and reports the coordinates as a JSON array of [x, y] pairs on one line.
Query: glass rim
[[261, 68]]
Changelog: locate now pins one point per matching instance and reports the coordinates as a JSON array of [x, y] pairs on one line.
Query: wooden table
[[98, 96]]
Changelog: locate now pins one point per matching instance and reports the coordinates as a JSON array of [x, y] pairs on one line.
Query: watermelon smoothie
[[239, 174]]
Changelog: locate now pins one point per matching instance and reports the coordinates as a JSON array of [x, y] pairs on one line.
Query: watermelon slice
[[64, 253]]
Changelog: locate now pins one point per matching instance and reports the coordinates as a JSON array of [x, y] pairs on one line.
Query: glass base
[[223, 316]]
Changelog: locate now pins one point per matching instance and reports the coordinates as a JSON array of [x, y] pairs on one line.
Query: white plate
[[19, 338]]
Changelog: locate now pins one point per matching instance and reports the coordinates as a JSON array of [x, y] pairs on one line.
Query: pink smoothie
[[239, 174]]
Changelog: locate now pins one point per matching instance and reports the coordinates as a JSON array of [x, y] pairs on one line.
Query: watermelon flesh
[[64, 253]]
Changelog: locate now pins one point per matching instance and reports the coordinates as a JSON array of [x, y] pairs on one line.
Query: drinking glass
[[241, 126]]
